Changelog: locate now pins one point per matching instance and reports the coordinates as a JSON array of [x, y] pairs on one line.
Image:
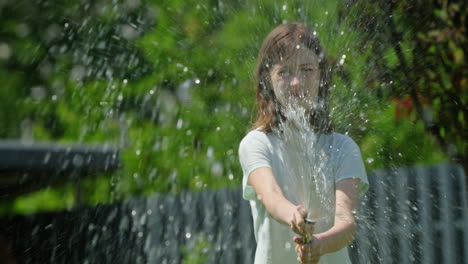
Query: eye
[[284, 73], [309, 70]]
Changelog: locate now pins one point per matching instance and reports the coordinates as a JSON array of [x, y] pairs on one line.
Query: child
[[292, 84]]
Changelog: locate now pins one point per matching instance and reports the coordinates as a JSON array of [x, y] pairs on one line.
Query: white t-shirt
[[342, 160]]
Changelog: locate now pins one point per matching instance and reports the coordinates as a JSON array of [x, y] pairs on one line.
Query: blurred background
[[168, 87]]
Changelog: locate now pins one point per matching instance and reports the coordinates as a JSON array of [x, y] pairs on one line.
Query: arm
[[342, 232], [269, 193]]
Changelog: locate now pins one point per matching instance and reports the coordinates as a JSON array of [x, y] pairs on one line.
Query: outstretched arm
[[269, 193], [342, 232]]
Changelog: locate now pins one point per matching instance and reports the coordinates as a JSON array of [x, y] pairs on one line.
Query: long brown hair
[[278, 45]]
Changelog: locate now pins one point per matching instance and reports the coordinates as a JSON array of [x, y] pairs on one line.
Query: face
[[296, 79]]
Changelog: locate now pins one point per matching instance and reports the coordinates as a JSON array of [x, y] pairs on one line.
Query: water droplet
[[125, 81], [197, 81], [199, 184], [298, 47], [78, 160], [129, 32], [180, 123], [285, 7], [151, 91], [5, 51], [138, 152], [47, 158], [231, 176], [38, 92], [78, 73], [149, 212], [183, 91], [210, 152], [188, 235], [140, 234], [185, 69], [217, 169], [369, 160], [218, 129], [133, 212]]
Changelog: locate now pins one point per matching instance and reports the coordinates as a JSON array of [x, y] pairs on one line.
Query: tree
[[416, 55]]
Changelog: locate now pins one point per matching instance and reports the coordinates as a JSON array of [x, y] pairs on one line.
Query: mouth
[[295, 94]]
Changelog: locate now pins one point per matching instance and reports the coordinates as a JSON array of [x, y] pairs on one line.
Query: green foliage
[[390, 143], [424, 45], [49, 199], [170, 84]]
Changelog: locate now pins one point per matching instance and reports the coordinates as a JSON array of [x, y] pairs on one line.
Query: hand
[[296, 221], [308, 253], [309, 231]]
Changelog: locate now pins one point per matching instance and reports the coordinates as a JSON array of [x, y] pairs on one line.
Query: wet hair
[[279, 45]]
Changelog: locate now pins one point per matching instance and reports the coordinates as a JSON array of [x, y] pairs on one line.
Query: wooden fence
[[414, 215], [409, 215]]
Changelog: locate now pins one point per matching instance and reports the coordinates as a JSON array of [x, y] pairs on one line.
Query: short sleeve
[[350, 165], [253, 154]]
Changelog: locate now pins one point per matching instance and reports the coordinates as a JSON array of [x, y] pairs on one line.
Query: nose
[[294, 85], [294, 81]]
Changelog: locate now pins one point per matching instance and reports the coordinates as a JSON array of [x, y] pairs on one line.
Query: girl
[[292, 85]]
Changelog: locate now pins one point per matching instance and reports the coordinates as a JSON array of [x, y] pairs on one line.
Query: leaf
[[461, 117], [458, 56]]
